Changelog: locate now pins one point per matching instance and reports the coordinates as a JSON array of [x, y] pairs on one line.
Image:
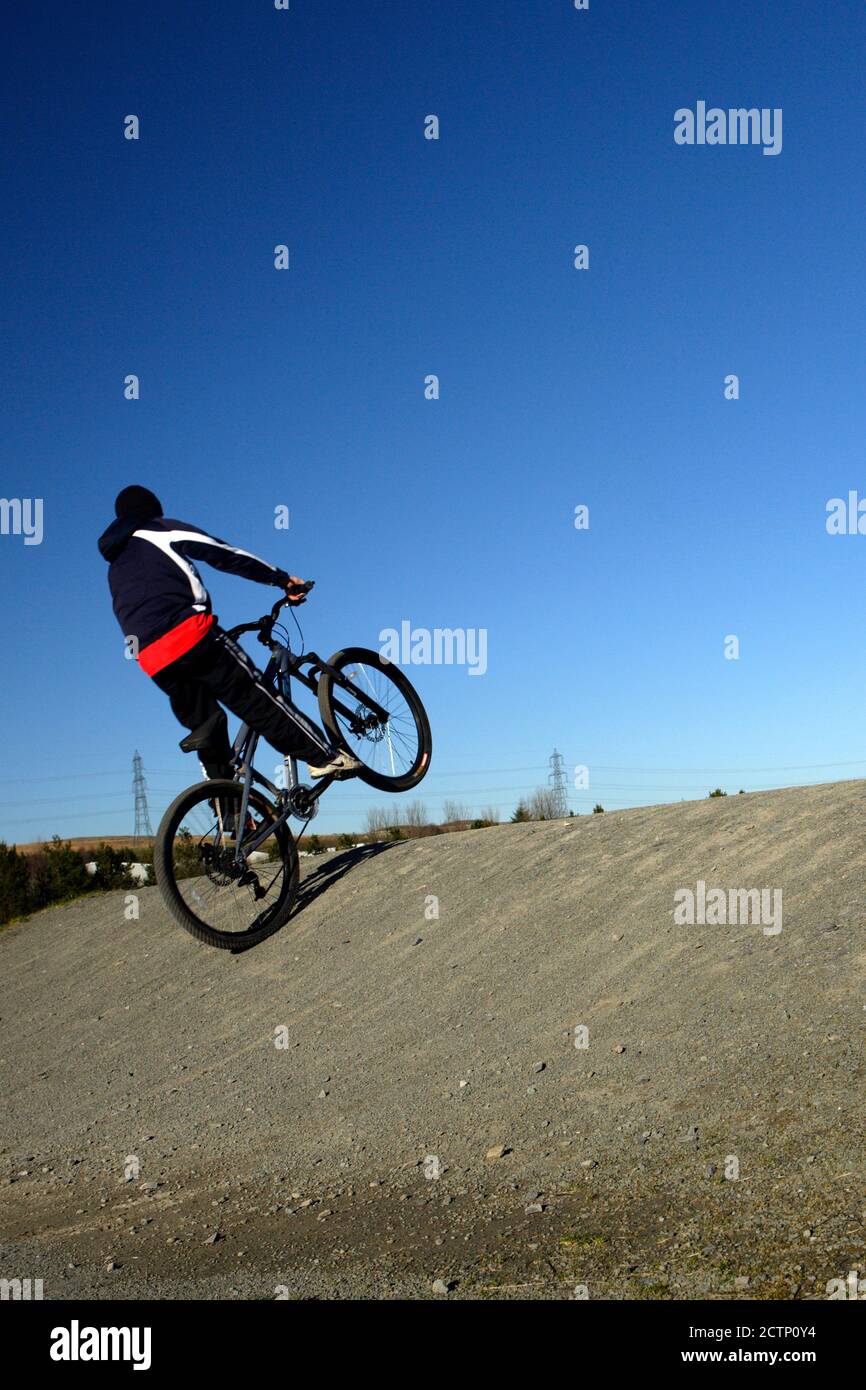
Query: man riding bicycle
[[165, 611]]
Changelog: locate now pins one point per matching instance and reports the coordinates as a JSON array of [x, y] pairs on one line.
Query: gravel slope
[[301, 1167]]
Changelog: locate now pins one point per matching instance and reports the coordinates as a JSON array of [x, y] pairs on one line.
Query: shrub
[[57, 872], [187, 860], [14, 883], [110, 872]]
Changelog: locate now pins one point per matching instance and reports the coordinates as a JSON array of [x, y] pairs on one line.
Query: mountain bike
[[224, 857]]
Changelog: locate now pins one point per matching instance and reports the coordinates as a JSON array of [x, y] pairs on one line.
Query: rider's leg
[[193, 705], [229, 675]]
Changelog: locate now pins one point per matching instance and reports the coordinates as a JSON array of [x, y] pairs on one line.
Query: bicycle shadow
[[326, 875]]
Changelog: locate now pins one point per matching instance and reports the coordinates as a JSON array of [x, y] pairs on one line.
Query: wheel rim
[[391, 750], [222, 895]]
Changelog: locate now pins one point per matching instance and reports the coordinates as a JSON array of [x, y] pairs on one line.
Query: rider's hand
[[294, 598]]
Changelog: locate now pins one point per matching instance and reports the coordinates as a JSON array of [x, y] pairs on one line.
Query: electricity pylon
[[558, 783], [139, 786]]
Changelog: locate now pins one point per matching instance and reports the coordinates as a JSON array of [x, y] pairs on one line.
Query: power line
[[492, 771], [67, 800]]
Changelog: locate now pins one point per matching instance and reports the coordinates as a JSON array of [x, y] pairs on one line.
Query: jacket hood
[[114, 538]]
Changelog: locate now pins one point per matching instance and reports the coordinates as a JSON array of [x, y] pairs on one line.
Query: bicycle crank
[[302, 803]]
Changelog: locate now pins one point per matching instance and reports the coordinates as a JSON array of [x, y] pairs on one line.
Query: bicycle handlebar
[[263, 626]]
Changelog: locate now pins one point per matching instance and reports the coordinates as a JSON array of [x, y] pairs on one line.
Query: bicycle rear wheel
[[395, 750], [220, 902]]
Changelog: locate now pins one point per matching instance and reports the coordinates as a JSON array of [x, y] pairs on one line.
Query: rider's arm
[[201, 546]]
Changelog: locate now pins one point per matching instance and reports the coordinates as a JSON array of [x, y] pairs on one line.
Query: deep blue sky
[[558, 387]]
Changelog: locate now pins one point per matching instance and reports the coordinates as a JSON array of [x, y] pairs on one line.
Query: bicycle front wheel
[[372, 710], [220, 899]]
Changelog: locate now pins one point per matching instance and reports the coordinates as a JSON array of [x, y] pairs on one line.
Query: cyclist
[[165, 613]]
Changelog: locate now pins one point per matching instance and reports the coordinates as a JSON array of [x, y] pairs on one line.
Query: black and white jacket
[[159, 598]]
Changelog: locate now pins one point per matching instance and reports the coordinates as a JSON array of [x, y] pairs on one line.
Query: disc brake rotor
[[368, 726]]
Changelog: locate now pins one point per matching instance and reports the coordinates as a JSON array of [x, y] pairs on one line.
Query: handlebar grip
[[297, 591]]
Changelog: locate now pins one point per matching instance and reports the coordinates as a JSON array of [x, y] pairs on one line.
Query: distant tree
[[14, 895], [377, 819], [453, 811], [57, 873], [543, 804], [718, 792], [598, 809], [415, 814], [490, 814]]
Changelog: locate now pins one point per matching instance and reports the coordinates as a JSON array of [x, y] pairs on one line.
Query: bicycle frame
[[283, 664]]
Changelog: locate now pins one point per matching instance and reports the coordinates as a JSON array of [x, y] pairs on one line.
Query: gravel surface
[[381, 1102]]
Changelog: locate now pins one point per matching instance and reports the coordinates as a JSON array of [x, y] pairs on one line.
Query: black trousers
[[216, 671]]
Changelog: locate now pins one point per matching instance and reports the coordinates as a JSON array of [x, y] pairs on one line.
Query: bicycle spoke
[[390, 748], [210, 876]]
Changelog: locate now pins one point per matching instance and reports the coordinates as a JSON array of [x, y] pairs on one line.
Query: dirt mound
[[449, 1032]]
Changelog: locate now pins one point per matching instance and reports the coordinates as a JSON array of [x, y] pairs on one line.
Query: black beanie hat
[[137, 501]]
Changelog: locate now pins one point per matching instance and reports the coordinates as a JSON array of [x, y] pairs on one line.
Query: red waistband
[[174, 643]]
